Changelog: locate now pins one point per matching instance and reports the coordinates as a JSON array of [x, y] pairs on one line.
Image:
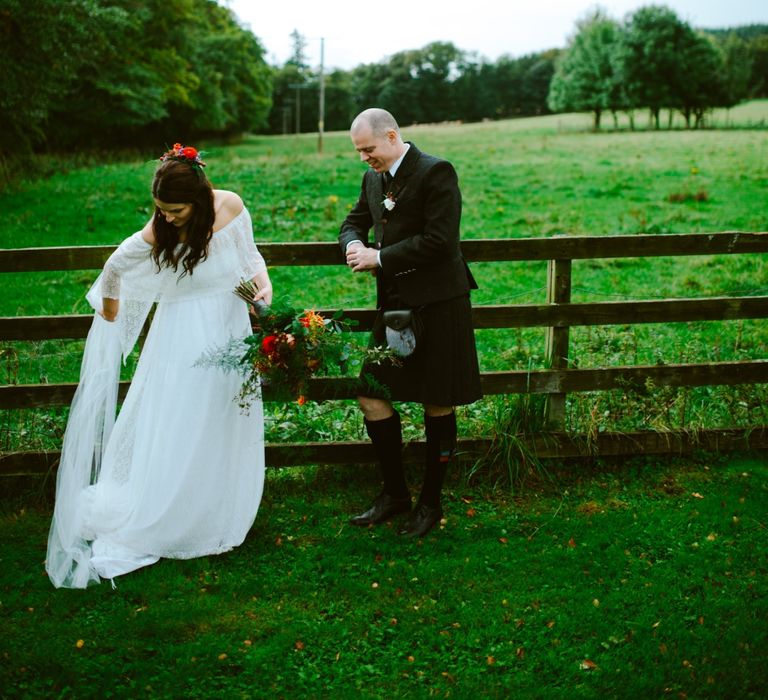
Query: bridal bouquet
[[287, 347]]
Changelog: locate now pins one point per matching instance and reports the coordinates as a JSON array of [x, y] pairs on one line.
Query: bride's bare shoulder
[[148, 232], [227, 206]]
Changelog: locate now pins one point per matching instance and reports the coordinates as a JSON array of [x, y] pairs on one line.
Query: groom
[[412, 202]]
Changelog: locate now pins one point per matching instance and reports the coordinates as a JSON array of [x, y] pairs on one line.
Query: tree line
[[85, 73], [651, 61], [101, 73]]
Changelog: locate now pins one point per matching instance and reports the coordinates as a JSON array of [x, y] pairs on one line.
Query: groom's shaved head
[[379, 120]]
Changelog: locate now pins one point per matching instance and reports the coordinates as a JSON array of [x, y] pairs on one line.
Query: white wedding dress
[[180, 472]]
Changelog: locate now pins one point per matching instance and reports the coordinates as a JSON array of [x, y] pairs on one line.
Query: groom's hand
[[361, 259]]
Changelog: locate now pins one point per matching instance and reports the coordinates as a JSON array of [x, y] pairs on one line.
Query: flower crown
[[184, 154]]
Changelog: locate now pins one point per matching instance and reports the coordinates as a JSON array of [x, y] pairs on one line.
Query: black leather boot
[[386, 437], [441, 444]]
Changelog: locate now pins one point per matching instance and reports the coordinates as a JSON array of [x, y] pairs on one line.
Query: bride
[[180, 472]]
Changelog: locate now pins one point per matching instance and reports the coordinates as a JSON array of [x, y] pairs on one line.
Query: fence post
[[558, 292]]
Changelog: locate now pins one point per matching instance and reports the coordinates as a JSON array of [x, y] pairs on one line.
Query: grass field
[[523, 178], [642, 581], [636, 580]]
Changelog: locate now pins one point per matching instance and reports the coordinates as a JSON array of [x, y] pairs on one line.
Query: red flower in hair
[[187, 154]]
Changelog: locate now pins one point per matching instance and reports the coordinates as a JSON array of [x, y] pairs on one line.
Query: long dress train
[[180, 472]]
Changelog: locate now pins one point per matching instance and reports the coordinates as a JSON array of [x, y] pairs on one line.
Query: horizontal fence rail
[[557, 316], [545, 445], [482, 250], [604, 313], [633, 378]]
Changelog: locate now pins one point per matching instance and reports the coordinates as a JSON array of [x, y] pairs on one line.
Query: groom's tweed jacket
[[421, 260]]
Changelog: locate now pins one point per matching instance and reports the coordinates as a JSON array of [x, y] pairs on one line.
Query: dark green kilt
[[442, 371]]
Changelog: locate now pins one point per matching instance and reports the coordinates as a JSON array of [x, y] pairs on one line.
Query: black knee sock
[[441, 444], [387, 442]]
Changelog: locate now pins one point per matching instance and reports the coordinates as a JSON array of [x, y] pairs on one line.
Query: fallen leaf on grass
[[587, 665], [80, 643], [571, 542], [299, 645], [471, 513], [696, 494]]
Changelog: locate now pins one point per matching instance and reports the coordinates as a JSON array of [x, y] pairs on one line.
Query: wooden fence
[[557, 315]]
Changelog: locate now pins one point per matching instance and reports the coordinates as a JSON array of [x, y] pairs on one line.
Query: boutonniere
[[389, 201]]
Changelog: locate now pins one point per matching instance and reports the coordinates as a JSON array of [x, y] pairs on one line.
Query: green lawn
[[638, 580], [644, 580], [520, 178]]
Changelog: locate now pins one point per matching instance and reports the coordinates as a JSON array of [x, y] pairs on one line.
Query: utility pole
[[298, 87], [321, 106]]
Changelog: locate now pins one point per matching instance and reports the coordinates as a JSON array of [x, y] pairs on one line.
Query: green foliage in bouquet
[[288, 346]]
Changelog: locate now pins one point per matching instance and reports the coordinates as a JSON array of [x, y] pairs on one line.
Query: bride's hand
[[109, 309], [264, 294]]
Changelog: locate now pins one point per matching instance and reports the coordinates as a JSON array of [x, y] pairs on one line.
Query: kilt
[[442, 371]]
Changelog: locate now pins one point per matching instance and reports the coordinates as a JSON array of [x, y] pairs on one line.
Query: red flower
[[189, 152], [269, 345]]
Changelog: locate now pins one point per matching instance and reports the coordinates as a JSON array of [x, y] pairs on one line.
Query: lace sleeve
[[251, 260], [130, 253]]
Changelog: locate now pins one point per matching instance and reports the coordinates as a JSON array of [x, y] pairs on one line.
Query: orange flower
[[312, 320], [301, 400]]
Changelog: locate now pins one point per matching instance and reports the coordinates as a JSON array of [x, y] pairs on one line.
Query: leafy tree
[[648, 59], [339, 101], [585, 77], [536, 78], [758, 85], [44, 46], [474, 93], [143, 77], [293, 109], [298, 52], [703, 84], [88, 72], [234, 90], [737, 62]]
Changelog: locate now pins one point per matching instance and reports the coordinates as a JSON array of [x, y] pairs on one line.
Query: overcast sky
[[368, 32]]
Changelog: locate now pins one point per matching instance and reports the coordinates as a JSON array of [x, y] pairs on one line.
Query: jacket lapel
[[405, 170]]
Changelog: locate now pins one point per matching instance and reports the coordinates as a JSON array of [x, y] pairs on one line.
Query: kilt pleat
[[442, 371]]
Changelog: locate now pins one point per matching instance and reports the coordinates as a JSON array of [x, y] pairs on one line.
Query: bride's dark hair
[[179, 182]]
